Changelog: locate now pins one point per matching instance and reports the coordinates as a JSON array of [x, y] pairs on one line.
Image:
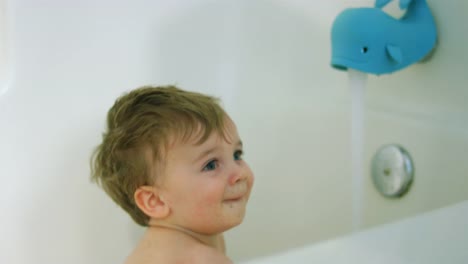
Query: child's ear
[[149, 200]]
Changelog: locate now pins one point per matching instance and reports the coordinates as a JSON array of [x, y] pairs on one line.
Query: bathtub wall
[[303, 190], [269, 62]]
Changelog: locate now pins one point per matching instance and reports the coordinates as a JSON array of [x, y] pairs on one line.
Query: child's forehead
[[214, 138], [192, 152], [197, 133], [200, 137]]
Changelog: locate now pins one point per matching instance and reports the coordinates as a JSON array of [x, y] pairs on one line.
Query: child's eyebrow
[[214, 149]]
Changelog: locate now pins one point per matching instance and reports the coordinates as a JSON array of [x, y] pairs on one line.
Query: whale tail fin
[[404, 4]]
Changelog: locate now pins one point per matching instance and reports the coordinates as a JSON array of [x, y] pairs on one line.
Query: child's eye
[[212, 165], [238, 155]]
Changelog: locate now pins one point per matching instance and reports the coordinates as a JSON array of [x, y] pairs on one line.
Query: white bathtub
[[268, 60], [439, 236]]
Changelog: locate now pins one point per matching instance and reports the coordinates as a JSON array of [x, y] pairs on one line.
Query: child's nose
[[237, 174]]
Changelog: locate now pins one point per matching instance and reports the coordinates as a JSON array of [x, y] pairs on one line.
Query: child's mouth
[[235, 199]]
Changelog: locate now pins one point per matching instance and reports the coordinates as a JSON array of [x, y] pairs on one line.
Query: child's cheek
[[208, 199], [250, 179]]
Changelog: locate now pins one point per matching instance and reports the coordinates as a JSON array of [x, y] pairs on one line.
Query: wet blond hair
[[144, 121]]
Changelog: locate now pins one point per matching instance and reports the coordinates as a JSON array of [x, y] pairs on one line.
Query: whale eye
[[364, 50]]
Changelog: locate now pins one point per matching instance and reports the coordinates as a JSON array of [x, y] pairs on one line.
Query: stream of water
[[357, 83]]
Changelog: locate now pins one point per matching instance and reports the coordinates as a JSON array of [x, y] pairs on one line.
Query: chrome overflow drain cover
[[392, 170]]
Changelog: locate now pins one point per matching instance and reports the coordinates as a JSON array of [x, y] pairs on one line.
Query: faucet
[[369, 40]]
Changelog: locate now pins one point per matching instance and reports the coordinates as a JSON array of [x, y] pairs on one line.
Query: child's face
[[207, 186]]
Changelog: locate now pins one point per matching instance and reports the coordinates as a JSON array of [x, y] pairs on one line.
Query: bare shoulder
[[200, 257], [194, 254], [146, 254], [141, 258], [166, 246], [207, 255]]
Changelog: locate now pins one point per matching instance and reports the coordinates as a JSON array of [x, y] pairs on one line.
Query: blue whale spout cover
[[370, 40]]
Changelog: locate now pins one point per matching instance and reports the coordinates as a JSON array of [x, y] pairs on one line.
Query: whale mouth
[[339, 67], [343, 63]]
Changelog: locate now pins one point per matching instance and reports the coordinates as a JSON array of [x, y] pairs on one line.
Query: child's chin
[[239, 218]]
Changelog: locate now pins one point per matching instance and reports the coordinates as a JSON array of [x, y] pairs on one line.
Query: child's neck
[[214, 241]]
